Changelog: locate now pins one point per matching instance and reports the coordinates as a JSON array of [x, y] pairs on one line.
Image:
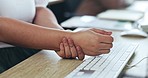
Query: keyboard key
[[106, 65]]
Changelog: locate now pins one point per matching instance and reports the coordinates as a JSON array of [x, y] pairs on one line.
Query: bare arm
[[45, 17], [29, 35], [33, 36]]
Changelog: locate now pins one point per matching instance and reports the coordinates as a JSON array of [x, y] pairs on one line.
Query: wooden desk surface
[[46, 64]]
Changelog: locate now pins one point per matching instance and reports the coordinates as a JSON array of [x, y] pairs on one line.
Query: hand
[[101, 31], [68, 50], [93, 41]]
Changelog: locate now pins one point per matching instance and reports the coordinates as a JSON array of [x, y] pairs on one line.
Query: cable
[[130, 66]]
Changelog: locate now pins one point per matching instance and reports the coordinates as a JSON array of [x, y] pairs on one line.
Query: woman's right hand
[[93, 41]]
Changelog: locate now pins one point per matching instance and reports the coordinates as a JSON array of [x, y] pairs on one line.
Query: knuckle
[[81, 58], [98, 53], [107, 51], [62, 56], [73, 49], [79, 53], [111, 45], [71, 46], [66, 45], [99, 46], [68, 56], [111, 39], [95, 53], [74, 56]]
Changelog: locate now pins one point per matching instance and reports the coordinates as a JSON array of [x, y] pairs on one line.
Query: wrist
[[74, 36], [70, 34]]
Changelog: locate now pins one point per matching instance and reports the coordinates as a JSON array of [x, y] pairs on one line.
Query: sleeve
[[41, 3]]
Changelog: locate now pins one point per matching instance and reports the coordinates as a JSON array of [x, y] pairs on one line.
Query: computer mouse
[[134, 32]]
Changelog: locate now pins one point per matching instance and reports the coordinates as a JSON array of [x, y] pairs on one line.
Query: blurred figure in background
[[93, 7], [70, 8]]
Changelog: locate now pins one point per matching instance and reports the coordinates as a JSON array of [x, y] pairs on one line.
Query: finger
[[105, 39], [105, 45], [61, 53], [98, 30], [104, 32], [101, 31], [66, 47], [95, 53], [80, 53], [72, 48], [105, 51], [102, 51], [108, 33]]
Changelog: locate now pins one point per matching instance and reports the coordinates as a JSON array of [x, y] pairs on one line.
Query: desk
[[46, 64]]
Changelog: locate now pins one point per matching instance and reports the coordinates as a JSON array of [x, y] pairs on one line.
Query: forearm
[[29, 35], [45, 17]]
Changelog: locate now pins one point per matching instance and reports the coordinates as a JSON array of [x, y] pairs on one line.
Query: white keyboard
[[106, 65]]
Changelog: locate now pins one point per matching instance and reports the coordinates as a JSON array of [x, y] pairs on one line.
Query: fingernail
[[78, 48], [64, 40], [61, 43], [69, 41]]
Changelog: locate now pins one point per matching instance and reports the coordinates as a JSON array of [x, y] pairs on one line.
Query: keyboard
[[106, 65]]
